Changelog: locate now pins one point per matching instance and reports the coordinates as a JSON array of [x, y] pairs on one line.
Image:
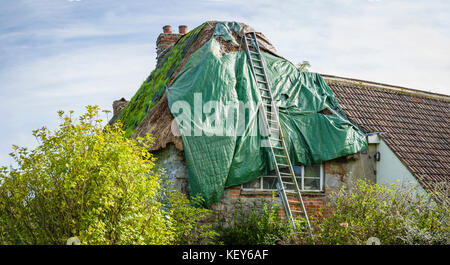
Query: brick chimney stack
[[167, 29], [167, 39], [182, 29]]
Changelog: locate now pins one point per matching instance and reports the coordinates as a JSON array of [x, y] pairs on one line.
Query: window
[[309, 178]]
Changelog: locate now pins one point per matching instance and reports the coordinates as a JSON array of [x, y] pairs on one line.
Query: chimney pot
[[182, 29], [167, 29]]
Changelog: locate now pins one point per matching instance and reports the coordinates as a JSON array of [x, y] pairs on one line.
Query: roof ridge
[[398, 89]]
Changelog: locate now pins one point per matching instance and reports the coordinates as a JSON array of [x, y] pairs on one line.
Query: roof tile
[[417, 127]]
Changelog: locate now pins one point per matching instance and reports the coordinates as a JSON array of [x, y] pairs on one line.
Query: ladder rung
[[295, 211], [264, 89], [258, 67], [288, 183], [276, 147], [265, 97], [260, 74], [281, 156], [253, 52], [274, 139], [294, 202], [282, 165], [285, 174]]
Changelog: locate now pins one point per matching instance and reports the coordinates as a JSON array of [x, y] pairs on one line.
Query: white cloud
[[34, 91], [101, 69], [396, 42], [394, 50]]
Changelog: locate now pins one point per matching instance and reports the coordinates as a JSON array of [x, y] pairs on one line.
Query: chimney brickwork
[[182, 29], [167, 39]]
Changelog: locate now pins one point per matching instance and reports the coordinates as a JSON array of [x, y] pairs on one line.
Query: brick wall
[[313, 202], [167, 39]]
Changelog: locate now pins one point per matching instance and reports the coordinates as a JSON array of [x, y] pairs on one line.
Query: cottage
[[379, 132]]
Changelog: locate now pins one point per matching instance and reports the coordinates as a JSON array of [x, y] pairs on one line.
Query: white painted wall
[[391, 170]]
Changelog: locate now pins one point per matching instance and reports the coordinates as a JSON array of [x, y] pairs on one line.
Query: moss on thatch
[[154, 86]]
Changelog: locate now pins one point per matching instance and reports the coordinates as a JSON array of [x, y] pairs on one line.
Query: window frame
[[302, 177]]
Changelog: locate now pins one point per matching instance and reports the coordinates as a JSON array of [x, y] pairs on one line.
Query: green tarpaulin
[[215, 104]]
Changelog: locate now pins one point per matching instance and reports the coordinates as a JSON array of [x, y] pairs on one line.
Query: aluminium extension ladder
[[274, 135]]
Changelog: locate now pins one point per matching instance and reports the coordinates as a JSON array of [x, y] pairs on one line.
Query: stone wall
[[173, 162], [344, 170]]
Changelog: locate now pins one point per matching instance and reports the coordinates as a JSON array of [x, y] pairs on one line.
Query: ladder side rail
[[265, 122], [289, 212], [275, 111], [283, 199], [294, 180]]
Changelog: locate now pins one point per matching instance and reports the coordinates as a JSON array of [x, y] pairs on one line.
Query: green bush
[[191, 223], [83, 180], [391, 214], [259, 225]]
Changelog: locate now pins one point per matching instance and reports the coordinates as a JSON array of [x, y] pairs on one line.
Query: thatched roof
[[158, 121]]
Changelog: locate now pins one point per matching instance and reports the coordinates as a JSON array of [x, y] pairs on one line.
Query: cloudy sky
[[66, 54]]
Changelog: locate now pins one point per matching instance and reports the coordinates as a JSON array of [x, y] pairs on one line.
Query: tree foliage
[[304, 66], [83, 180]]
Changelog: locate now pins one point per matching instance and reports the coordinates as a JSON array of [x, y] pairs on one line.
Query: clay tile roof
[[416, 123]]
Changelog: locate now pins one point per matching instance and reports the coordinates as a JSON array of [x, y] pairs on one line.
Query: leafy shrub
[[83, 180], [428, 221], [393, 215], [259, 225], [190, 222]]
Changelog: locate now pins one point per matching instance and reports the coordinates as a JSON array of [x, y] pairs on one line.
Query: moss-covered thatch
[[154, 86]]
